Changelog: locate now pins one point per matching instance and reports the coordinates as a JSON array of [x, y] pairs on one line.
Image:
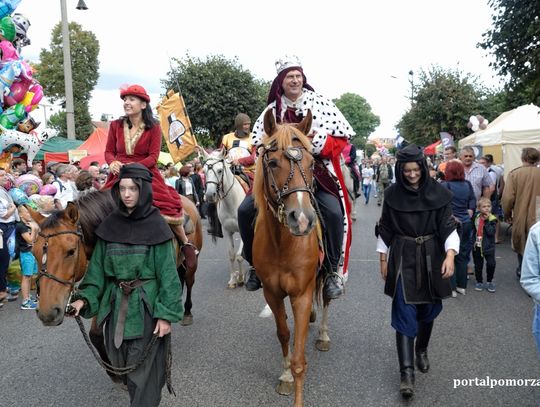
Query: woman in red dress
[[136, 137]]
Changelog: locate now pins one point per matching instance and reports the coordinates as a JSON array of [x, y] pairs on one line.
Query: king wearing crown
[[290, 99]]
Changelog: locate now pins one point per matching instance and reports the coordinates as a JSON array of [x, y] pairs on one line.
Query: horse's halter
[[222, 194], [44, 257], [294, 155]]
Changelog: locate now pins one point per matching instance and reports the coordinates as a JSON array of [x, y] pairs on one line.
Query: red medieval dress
[[143, 147]]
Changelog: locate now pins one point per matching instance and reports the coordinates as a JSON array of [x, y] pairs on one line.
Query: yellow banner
[[176, 126]]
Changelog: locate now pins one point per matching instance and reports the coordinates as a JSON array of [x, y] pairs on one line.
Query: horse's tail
[[318, 294], [213, 222]]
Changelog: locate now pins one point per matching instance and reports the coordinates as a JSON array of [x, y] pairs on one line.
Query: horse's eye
[[70, 252], [273, 163]]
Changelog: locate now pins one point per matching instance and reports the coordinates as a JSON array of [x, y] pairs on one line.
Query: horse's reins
[[119, 371], [294, 155], [219, 185]]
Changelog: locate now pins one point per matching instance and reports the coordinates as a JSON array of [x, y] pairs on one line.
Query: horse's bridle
[[44, 257], [222, 194], [294, 155]]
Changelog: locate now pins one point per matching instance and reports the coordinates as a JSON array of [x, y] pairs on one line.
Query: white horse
[[223, 189], [349, 183]]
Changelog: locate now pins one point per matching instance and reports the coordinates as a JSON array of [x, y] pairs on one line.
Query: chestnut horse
[[64, 246], [285, 246]]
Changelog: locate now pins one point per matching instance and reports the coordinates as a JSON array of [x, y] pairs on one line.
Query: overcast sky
[[364, 47]]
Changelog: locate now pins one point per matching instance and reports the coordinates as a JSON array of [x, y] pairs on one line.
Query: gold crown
[[288, 61]]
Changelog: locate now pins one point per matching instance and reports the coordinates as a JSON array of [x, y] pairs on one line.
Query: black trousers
[[7, 229], [331, 212], [479, 264]]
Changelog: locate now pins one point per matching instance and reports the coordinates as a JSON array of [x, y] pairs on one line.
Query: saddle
[[244, 180]]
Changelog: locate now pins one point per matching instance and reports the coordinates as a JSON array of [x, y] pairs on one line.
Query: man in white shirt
[[66, 191]]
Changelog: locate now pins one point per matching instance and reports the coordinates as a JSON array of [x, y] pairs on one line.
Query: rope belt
[[127, 287], [420, 240]]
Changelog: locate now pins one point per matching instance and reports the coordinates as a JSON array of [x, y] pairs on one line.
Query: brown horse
[[65, 245], [285, 246]]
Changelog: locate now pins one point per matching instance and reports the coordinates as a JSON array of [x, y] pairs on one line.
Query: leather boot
[[333, 287], [405, 349], [252, 281], [422, 342]]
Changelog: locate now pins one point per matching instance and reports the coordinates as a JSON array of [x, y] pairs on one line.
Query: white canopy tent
[[507, 135]]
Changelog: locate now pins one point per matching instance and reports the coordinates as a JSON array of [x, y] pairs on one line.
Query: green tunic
[[162, 292]]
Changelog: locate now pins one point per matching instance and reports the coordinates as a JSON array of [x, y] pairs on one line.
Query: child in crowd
[[484, 226], [26, 233]]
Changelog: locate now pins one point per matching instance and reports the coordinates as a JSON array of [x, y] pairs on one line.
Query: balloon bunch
[[20, 93], [27, 189], [477, 123]]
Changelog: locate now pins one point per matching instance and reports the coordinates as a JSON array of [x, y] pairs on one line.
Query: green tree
[[369, 150], [85, 71], [215, 90], [358, 113], [514, 41], [443, 101]]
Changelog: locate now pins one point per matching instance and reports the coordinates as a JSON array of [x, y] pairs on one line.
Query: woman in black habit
[[417, 242]]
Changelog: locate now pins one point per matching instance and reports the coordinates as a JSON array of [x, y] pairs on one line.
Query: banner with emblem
[[176, 126]]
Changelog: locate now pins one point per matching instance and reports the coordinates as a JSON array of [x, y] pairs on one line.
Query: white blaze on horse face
[[303, 221]]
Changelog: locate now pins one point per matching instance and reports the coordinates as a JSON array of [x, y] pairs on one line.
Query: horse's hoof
[[323, 346], [116, 379], [122, 386], [313, 316], [239, 283], [285, 388], [231, 286], [187, 320]]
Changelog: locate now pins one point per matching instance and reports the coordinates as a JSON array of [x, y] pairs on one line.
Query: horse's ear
[[38, 217], [269, 122], [71, 213], [305, 125]]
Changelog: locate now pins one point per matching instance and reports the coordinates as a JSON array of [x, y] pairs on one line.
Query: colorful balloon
[[7, 28], [48, 189], [13, 115], [18, 196], [8, 6], [17, 91], [29, 184], [31, 143], [21, 29]]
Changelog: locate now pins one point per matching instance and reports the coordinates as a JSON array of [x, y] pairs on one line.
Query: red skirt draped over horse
[[145, 152]]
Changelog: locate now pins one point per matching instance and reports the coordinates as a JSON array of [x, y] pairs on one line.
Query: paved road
[[231, 357]]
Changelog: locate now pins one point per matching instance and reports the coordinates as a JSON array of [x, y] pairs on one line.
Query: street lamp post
[[411, 81], [68, 79]]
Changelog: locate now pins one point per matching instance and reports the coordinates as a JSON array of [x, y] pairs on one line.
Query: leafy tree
[[369, 150], [85, 66], [215, 90], [359, 115], [514, 41], [444, 101]]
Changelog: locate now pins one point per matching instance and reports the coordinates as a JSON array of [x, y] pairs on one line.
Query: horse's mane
[[93, 208], [216, 154], [282, 138]]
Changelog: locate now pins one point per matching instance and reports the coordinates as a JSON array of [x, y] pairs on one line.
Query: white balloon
[[475, 127], [475, 122]]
